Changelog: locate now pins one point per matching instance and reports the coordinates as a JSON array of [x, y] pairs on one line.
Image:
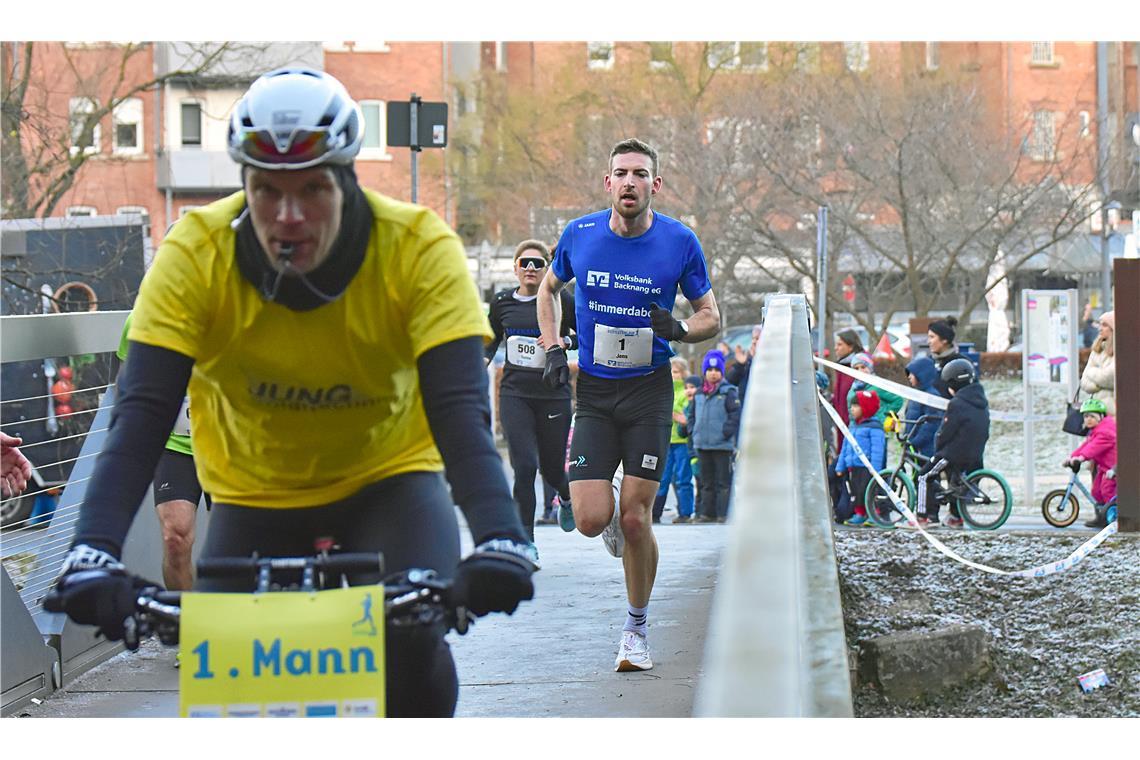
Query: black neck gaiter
[[328, 281]]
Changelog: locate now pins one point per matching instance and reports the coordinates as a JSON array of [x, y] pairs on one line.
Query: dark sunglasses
[[532, 262]]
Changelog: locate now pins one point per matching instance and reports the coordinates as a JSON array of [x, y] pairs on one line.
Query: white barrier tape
[[923, 397], [1049, 568]]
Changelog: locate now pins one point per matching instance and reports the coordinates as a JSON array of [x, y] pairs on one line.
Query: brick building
[[161, 150]]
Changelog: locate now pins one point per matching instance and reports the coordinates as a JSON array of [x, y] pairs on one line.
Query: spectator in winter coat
[[867, 430], [888, 402], [847, 345], [940, 336], [921, 373], [713, 426], [1100, 449], [692, 388], [678, 471], [1099, 377], [960, 442]]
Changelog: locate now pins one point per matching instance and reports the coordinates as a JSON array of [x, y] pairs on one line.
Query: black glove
[[495, 577], [664, 325], [94, 588], [557, 373]]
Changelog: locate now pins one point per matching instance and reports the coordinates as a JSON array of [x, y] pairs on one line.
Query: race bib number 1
[[290, 654], [524, 351], [623, 347]]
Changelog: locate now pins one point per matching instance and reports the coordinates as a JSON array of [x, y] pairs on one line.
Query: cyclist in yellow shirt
[[332, 343]]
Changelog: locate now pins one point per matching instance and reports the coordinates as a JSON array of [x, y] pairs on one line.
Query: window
[[1086, 121], [932, 55], [134, 210], [375, 146], [127, 118], [731, 55], [83, 139], [753, 55], [1041, 53], [660, 54], [500, 56], [600, 55], [858, 55], [191, 124], [1041, 140], [73, 211], [807, 57], [184, 210]]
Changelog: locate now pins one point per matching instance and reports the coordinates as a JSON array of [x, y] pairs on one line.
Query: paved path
[[554, 657]]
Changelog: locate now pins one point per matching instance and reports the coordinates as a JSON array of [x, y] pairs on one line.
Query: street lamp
[[1105, 259]]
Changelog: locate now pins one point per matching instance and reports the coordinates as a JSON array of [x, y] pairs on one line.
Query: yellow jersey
[[298, 409]]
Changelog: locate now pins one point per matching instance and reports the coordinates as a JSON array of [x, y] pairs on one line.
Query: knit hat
[[1109, 318], [868, 401], [944, 328], [863, 358], [713, 360], [693, 380]]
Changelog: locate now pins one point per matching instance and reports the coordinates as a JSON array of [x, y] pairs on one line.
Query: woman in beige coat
[[1099, 378]]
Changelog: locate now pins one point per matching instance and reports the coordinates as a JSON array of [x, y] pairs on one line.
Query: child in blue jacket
[[922, 373], [868, 433]]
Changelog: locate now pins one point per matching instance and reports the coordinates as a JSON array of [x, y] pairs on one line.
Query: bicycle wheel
[[989, 502], [1059, 511], [880, 508]]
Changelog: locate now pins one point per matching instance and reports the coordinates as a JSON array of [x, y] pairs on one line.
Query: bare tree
[[924, 196], [43, 140]]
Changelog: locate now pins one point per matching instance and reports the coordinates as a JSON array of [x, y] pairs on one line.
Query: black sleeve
[[458, 408], [151, 388], [496, 320], [569, 320]]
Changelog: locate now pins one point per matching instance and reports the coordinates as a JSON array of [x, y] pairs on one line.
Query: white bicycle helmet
[[295, 118]]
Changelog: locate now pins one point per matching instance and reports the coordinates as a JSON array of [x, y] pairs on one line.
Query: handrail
[[40, 336], [776, 644]]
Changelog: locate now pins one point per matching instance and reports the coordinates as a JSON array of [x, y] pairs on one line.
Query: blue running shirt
[[617, 280]]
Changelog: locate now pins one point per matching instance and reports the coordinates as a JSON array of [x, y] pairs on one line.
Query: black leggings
[[411, 520], [536, 431]]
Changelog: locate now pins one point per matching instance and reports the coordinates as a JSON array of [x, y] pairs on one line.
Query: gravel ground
[[1042, 633]]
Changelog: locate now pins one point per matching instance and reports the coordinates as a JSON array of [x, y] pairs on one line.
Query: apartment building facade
[[161, 151]]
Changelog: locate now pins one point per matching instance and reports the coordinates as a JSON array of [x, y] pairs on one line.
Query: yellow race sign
[[291, 654]]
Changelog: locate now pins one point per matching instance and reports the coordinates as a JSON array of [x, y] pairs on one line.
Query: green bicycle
[[983, 497]]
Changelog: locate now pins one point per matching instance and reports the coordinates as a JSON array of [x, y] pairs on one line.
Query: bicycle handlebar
[[914, 425], [352, 563]]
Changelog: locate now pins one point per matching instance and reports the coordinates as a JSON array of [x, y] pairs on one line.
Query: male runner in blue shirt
[[629, 263]]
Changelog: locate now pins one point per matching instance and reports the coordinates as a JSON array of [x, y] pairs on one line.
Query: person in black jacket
[[960, 442], [943, 350], [536, 419]]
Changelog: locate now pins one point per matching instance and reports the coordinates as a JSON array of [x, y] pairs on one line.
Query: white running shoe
[[612, 536], [633, 653]]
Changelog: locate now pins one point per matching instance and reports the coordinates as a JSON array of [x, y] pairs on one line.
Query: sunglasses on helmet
[[306, 147], [532, 262]]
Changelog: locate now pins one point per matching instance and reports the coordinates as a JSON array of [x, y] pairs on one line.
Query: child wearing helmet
[[960, 442], [1100, 449], [867, 430]]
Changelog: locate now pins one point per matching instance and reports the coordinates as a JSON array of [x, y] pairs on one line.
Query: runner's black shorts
[[176, 479], [622, 420]]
